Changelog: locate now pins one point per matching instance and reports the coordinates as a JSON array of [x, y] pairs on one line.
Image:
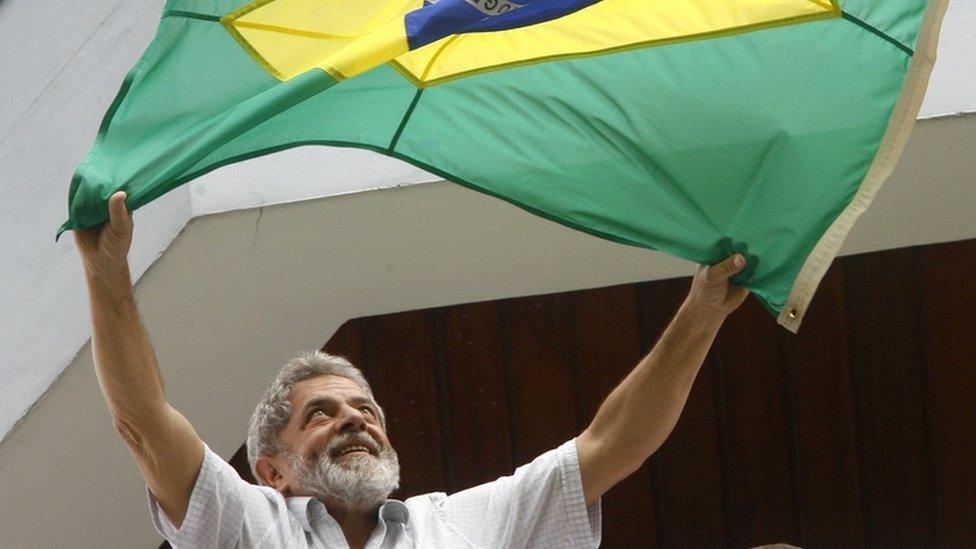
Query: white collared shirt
[[540, 505]]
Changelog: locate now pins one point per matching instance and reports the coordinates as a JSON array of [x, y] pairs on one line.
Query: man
[[318, 443]]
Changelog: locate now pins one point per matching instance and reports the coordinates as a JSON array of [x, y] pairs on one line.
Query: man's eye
[[366, 409], [319, 413]]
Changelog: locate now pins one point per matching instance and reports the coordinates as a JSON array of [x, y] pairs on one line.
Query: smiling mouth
[[354, 449]]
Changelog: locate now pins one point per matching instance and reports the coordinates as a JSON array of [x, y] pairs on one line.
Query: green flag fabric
[[698, 128]]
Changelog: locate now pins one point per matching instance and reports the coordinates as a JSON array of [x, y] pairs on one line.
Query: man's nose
[[352, 419]]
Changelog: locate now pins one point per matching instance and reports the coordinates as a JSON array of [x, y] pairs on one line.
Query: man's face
[[338, 451]]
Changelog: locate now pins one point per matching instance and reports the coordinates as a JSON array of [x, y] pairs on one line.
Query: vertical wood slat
[[690, 462], [240, 464], [400, 364], [722, 436], [757, 423], [948, 289], [826, 438], [347, 342], [889, 388], [540, 331], [653, 464], [472, 351], [444, 411], [609, 347], [511, 385]]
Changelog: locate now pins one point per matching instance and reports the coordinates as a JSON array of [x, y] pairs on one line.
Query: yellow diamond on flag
[[288, 37]]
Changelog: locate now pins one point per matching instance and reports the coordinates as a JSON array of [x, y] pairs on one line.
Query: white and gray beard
[[360, 483]]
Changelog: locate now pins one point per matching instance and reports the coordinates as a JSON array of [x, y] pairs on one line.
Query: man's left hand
[[712, 292]]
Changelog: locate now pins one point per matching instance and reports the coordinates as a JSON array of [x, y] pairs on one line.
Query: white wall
[[60, 69], [952, 89], [301, 173]]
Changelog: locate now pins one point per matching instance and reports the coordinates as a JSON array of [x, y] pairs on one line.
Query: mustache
[[349, 439]]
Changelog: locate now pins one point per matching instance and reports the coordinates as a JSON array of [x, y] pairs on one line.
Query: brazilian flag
[[696, 127]]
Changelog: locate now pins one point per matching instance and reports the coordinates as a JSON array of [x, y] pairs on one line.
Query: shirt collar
[[301, 507], [394, 510]]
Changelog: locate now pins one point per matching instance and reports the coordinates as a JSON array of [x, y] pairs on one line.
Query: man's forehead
[[338, 387]]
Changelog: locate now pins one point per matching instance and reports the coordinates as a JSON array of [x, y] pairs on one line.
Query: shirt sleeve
[[540, 505], [225, 511]]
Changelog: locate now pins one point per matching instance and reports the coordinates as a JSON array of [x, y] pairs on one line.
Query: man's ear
[[269, 473]]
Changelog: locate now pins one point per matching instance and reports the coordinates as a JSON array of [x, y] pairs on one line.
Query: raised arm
[[164, 444], [637, 417]]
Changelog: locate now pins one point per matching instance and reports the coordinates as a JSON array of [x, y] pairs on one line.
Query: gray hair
[[274, 410]]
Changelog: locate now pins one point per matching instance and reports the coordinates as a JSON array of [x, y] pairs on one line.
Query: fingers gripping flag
[[695, 127]]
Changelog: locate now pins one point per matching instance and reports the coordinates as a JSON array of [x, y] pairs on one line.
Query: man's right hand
[[104, 249], [166, 448]]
